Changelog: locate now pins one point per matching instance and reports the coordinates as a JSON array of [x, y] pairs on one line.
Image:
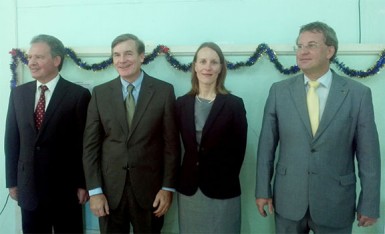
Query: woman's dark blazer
[[213, 167]]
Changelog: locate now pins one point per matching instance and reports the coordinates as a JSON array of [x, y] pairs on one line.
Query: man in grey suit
[[315, 180], [131, 145]]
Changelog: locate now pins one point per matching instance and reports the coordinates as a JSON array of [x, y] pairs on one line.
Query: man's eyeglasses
[[310, 46]]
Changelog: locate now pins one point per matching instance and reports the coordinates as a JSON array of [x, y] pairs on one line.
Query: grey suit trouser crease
[[304, 225]]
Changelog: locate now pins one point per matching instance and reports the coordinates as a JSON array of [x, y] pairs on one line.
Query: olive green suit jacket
[[150, 151]]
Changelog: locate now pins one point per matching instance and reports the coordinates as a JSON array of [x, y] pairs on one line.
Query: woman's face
[[207, 66]]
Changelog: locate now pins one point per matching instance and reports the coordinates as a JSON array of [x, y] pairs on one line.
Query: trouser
[[130, 212], [286, 226]]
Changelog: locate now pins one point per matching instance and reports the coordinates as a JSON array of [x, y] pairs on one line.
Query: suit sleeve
[[92, 141], [268, 141], [368, 157], [81, 113], [171, 152], [11, 144], [240, 132]]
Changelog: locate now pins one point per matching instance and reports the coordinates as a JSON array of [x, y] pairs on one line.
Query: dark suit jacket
[[319, 172], [47, 163], [213, 167], [150, 150]]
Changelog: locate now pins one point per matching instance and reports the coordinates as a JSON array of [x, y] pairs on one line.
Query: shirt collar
[[137, 83], [325, 80], [51, 84]]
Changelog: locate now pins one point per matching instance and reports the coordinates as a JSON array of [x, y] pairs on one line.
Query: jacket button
[[37, 147], [197, 164]]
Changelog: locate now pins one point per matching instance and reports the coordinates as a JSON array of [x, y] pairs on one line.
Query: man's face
[[42, 65], [126, 60], [313, 55]]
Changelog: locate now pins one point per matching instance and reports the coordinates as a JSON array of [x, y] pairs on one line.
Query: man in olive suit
[[131, 145]]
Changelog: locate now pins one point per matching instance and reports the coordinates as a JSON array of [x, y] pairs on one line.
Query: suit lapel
[[188, 115], [116, 96], [57, 97], [214, 112], [337, 94], [145, 95], [29, 100], [298, 93]]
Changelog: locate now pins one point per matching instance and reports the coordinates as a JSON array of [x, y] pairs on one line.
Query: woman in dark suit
[[213, 128]]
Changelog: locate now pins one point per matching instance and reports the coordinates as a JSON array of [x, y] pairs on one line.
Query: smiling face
[[42, 65], [207, 67], [127, 60], [313, 55]]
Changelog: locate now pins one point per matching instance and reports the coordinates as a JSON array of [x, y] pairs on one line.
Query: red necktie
[[40, 108]]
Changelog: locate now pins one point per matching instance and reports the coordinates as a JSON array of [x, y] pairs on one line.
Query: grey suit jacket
[[150, 151], [319, 172]]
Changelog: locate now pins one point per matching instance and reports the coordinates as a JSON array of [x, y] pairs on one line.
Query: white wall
[[85, 23], [184, 22], [10, 219]]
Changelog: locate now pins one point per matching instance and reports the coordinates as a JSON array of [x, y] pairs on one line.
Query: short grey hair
[[328, 32], [57, 47], [125, 37]]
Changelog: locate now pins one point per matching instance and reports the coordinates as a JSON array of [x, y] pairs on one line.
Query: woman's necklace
[[209, 101]]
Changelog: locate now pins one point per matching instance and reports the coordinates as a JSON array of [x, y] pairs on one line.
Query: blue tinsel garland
[[262, 49]]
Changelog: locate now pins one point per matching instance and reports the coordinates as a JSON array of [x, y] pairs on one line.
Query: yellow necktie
[[130, 105], [313, 105]]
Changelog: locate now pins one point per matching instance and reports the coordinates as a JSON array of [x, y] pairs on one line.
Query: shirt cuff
[[95, 191], [169, 189]]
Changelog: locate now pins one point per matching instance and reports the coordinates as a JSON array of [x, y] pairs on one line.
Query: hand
[[262, 202], [13, 193], [82, 196], [99, 205], [365, 221], [162, 202]]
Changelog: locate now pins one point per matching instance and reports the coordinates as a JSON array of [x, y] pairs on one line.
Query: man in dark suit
[[315, 179], [131, 145], [43, 143]]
